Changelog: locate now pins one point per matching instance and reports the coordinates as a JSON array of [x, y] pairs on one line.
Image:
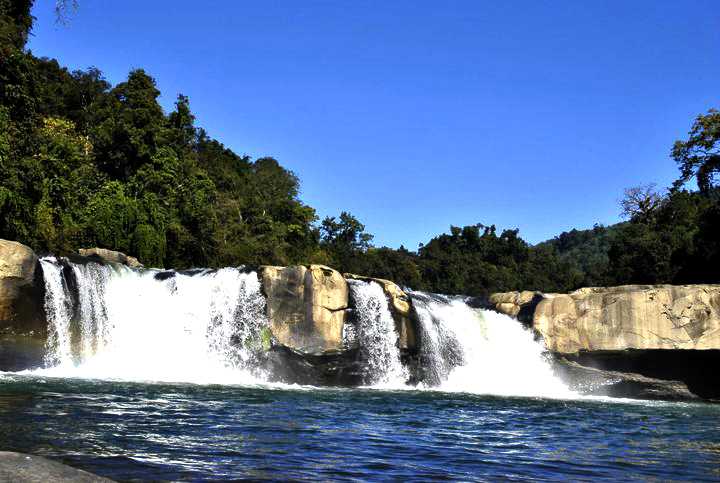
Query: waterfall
[[58, 309], [376, 335], [92, 278], [479, 351], [210, 326], [150, 325]]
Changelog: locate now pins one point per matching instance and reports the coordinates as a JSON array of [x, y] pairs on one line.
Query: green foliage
[[345, 240], [15, 23], [84, 163], [699, 156], [127, 125], [676, 245]]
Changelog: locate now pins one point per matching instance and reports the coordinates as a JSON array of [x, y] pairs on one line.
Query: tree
[[128, 126], [15, 24], [640, 201], [64, 9], [699, 156], [345, 240]]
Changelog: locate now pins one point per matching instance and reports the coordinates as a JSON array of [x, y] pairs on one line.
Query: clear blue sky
[[417, 115]]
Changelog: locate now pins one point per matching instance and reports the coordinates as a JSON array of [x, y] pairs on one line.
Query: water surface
[[159, 431]]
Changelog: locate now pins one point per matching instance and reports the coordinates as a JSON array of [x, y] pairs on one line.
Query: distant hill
[[585, 253]]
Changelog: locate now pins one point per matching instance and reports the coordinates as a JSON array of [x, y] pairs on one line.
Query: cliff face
[[620, 318]]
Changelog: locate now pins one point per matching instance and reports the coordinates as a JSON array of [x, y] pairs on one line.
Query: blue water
[[132, 431]]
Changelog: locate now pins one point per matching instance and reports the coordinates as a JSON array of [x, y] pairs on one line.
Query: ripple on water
[[182, 431]]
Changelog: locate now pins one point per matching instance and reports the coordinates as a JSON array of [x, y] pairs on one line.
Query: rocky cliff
[[620, 318], [661, 331]]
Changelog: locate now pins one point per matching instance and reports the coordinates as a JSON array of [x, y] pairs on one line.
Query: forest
[[85, 163]]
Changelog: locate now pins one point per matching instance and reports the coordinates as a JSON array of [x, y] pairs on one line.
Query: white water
[[203, 328], [208, 328], [59, 311], [377, 336], [482, 352]]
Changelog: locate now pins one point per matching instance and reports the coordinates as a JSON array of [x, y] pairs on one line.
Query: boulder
[[30, 468], [520, 305], [630, 317], [110, 256], [306, 307], [22, 318]]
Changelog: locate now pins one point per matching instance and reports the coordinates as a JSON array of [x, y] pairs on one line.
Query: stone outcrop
[[630, 317], [17, 273], [306, 307], [665, 333], [22, 320], [110, 256], [399, 306], [520, 305], [22, 467]]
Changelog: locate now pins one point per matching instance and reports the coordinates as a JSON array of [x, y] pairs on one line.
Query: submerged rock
[[110, 256], [19, 467]]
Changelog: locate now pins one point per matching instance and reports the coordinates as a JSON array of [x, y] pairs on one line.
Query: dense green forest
[[85, 163]]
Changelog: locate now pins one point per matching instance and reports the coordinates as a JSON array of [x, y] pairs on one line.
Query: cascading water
[[480, 351], [150, 325], [108, 321], [377, 336], [58, 308]]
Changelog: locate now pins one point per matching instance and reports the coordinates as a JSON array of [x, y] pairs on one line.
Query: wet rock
[[599, 382], [688, 366], [19, 467], [110, 256], [338, 368]]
